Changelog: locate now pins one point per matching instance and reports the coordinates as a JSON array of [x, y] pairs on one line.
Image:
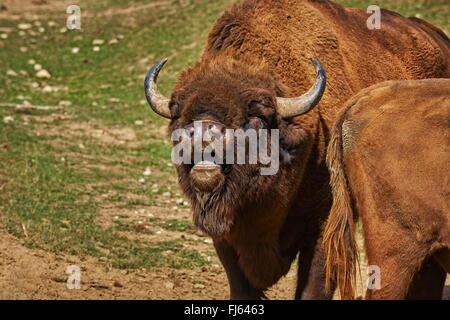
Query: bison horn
[[291, 107], [158, 102]]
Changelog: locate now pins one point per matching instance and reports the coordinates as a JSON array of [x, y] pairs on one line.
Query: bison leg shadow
[[428, 282], [240, 287]]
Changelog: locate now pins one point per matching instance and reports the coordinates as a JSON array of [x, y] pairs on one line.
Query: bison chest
[[262, 263]]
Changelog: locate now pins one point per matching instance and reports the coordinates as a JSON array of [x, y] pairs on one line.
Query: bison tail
[[339, 233]]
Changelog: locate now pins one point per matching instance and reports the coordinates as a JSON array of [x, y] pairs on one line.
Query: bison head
[[216, 96]]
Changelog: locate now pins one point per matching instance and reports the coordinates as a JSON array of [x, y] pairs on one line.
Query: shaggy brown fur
[[255, 52], [392, 173]]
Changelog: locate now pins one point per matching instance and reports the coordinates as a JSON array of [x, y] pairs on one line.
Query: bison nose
[[203, 132], [215, 128], [200, 127], [206, 176]]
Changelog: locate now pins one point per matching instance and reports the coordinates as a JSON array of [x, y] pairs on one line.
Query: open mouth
[[207, 176], [224, 168]]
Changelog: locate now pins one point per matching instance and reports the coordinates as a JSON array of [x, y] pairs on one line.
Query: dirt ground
[[36, 274]]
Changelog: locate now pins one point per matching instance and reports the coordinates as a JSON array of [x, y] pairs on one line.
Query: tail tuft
[[339, 234]]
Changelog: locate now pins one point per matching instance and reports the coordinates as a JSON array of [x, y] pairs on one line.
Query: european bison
[[254, 64], [388, 159]]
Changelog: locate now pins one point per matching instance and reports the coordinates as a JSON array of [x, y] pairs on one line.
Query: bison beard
[[256, 55], [215, 212]]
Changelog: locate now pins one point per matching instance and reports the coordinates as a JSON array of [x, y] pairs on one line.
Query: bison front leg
[[240, 288], [311, 273]]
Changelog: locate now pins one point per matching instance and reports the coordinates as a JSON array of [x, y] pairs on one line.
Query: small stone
[[98, 42], [31, 61], [37, 23], [37, 67], [51, 23], [24, 26], [113, 41], [63, 30], [34, 85], [139, 122], [65, 103], [96, 49], [141, 180], [94, 104], [23, 73], [81, 146], [166, 194], [41, 30], [11, 73], [114, 100], [31, 33], [4, 36], [8, 119], [199, 286], [22, 33], [208, 241], [120, 36], [23, 49], [47, 89], [75, 50], [169, 285], [43, 74], [147, 172]]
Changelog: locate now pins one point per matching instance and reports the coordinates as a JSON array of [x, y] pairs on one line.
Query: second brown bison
[[388, 157], [253, 74]]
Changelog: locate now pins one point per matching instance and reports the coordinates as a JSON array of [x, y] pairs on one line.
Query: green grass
[[55, 179], [177, 225]]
